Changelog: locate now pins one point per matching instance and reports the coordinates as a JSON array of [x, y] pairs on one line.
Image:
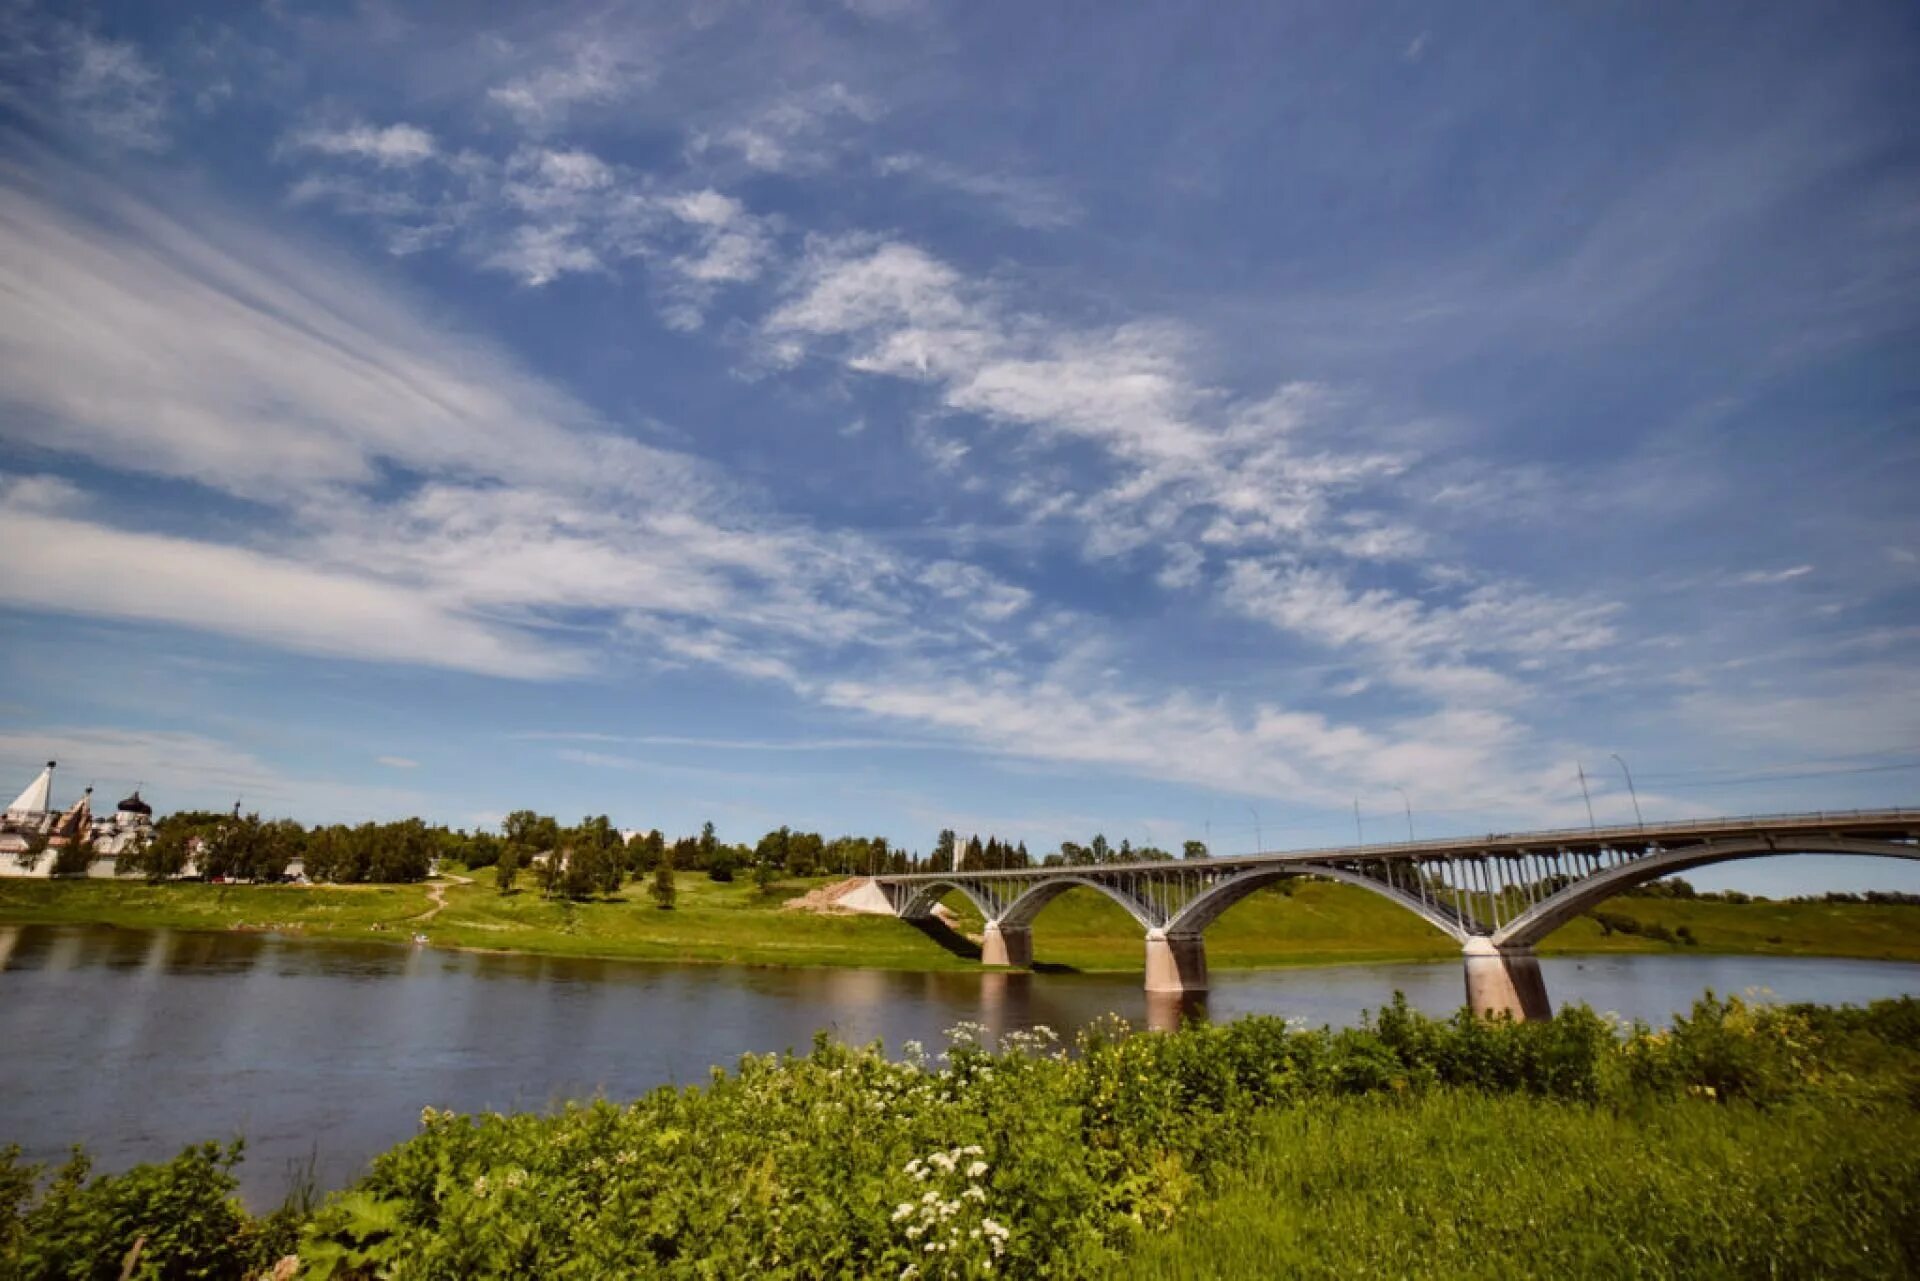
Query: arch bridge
[[1496, 896]]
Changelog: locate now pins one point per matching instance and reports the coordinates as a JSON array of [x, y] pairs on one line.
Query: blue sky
[[885, 416]]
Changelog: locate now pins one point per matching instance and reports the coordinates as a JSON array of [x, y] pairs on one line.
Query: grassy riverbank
[[1744, 1142], [1314, 924]]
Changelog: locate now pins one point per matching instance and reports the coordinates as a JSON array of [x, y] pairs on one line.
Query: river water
[[139, 1042]]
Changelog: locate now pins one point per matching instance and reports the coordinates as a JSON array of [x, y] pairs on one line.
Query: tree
[[662, 889], [74, 857], [507, 869], [644, 852], [941, 860], [1100, 851], [591, 859], [765, 873], [805, 853], [773, 849], [1194, 849]]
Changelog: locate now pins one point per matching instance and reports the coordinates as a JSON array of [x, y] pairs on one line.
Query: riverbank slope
[[1304, 923]]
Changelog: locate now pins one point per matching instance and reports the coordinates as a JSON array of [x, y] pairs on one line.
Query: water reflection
[[1166, 1011], [139, 1042]]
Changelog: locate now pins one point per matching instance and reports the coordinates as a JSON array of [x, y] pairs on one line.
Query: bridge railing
[[1492, 843]]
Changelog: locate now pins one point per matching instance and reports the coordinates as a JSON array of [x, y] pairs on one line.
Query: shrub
[[181, 1215]]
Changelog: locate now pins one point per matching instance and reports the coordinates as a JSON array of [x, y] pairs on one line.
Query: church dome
[[134, 805]]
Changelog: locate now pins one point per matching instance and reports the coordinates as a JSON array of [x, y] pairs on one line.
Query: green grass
[[1458, 1184], [350, 911], [1317, 923]]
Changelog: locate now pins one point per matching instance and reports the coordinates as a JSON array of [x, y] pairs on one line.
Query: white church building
[[33, 833]]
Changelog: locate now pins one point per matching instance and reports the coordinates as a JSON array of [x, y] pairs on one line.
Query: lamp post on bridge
[[1588, 796], [1637, 820], [1259, 842], [1409, 806]]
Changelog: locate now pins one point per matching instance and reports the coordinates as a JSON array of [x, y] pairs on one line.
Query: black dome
[[134, 805]]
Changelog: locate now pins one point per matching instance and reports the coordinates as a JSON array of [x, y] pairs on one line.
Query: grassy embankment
[[1315, 924], [1742, 1142]]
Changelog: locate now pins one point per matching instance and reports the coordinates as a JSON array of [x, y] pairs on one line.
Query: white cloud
[[1265, 751], [396, 762], [541, 255], [197, 348], [111, 91], [1024, 202], [595, 74], [82, 568], [1439, 650], [1764, 577], [1223, 492], [540, 213], [794, 134], [392, 146]]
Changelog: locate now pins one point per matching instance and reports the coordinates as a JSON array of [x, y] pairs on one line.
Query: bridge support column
[[1176, 962], [1505, 981], [1007, 945]]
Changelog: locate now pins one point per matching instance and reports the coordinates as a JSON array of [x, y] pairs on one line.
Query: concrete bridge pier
[[1176, 962], [1010, 945], [1505, 981]]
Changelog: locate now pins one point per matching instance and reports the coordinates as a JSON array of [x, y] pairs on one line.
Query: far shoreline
[[738, 926]]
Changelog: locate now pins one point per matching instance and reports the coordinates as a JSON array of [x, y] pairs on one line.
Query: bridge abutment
[[1010, 945], [1505, 981], [1176, 962]]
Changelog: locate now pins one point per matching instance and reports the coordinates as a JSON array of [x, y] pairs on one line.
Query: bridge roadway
[[1495, 895]]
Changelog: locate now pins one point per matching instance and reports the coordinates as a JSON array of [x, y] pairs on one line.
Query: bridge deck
[[1887, 824]]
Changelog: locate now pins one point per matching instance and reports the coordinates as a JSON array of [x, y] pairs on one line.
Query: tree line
[[577, 861], [246, 847]]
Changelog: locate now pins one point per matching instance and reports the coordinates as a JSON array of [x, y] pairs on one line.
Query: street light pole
[[1637, 820], [1358, 834], [1409, 804], [1259, 842], [1591, 825]]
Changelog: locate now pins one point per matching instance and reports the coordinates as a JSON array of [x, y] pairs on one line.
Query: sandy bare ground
[[826, 900]]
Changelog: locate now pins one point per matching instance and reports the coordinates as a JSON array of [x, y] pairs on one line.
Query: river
[[136, 1043]]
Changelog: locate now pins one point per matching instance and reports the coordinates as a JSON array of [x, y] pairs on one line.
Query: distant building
[[33, 834]]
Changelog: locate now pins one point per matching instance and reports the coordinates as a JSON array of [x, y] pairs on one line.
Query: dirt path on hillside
[[438, 893]]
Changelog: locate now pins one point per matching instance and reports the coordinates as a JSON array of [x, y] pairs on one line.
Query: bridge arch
[[1556, 910], [919, 904], [1029, 905], [1207, 907]]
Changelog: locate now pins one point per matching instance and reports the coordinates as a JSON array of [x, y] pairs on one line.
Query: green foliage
[[589, 859], [181, 1215], [506, 869], [1406, 1146], [845, 1163], [73, 858], [386, 852], [663, 890]]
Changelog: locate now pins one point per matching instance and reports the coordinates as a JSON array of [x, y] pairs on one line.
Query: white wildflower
[[977, 1169]]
